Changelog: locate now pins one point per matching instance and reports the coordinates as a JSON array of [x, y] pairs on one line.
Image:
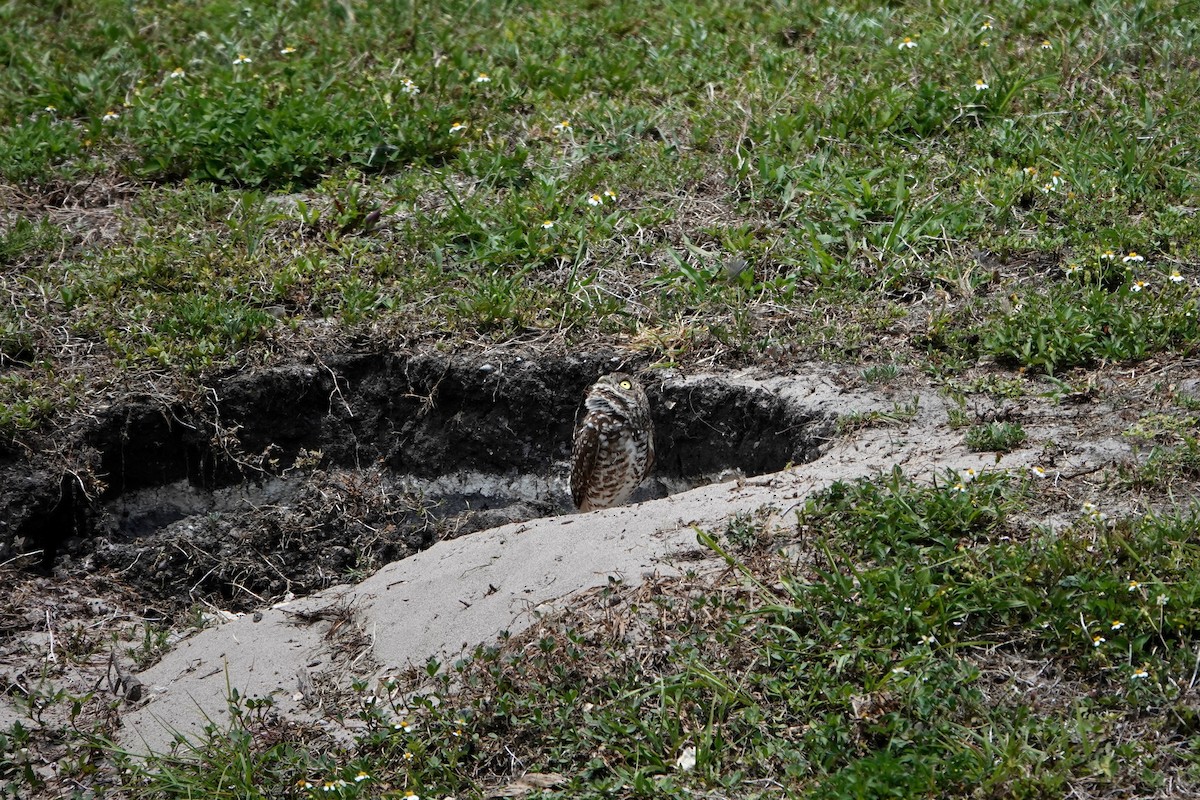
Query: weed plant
[[1000, 437]]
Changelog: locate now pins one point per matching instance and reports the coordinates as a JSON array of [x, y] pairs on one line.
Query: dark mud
[[287, 480]]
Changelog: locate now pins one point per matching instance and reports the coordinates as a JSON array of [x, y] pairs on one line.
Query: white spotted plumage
[[613, 449]]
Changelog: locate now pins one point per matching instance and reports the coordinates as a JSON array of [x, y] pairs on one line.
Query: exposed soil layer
[[286, 480]]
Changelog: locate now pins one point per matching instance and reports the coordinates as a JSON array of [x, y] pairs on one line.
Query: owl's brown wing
[[583, 460]]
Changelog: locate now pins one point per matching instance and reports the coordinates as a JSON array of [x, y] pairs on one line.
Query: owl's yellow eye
[[626, 385]]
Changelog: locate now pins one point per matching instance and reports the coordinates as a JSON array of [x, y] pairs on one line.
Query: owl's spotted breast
[[614, 443]]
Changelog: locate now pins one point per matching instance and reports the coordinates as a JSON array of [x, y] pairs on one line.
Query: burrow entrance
[[288, 480]]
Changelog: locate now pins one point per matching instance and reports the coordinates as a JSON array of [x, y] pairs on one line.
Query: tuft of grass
[[880, 373], [25, 241], [1000, 437], [900, 414]]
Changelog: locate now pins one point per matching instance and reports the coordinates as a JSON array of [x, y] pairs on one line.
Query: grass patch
[[471, 172], [1075, 327], [1000, 437]]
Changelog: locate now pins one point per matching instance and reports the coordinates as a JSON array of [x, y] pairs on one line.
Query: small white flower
[[286, 51], [1134, 585], [1137, 286], [928, 639], [1037, 472], [242, 58], [458, 127], [899, 671], [1046, 45], [1117, 625], [483, 77], [178, 72], [1132, 257], [547, 224], [687, 759], [1162, 600], [561, 127], [981, 85], [50, 109], [110, 116], [361, 776], [595, 200], [1139, 673], [908, 43], [408, 87], [986, 26], [1175, 277], [959, 487], [1098, 640], [610, 194], [1107, 255]]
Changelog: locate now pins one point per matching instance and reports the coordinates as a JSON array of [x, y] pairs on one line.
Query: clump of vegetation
[[1000, 437], [1081, 326]]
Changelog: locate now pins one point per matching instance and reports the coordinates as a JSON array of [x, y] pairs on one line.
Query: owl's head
[[620, 381], [618, 390]]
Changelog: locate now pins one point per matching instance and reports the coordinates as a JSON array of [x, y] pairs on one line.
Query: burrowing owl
[[614, 443]]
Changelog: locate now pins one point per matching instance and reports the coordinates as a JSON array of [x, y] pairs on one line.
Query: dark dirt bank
[[289, 479]]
